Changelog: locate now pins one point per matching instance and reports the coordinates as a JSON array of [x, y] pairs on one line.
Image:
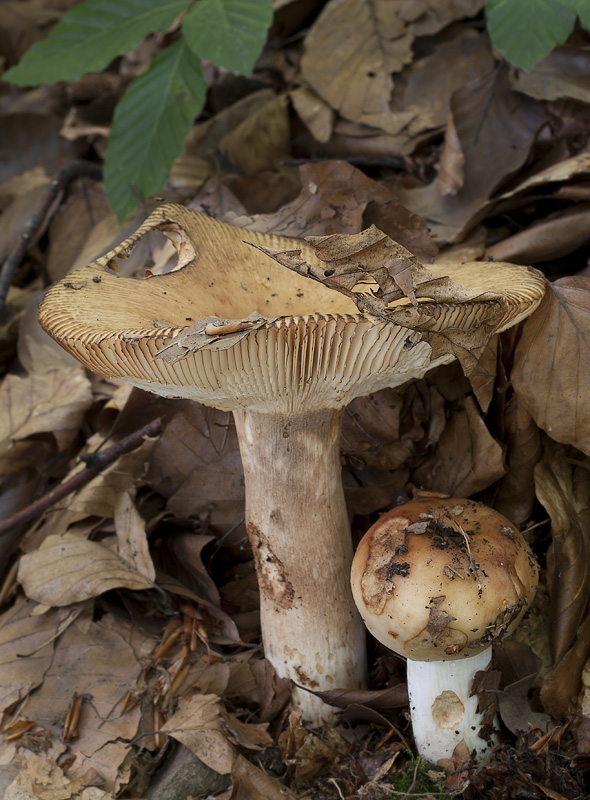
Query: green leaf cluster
[[154, 116], [525, 31]]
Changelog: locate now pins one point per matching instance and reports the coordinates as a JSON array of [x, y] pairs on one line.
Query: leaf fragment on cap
[[211, 333]]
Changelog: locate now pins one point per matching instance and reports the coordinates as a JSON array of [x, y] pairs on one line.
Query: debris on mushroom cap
[[439, 579], [458, 312], [310, 344]]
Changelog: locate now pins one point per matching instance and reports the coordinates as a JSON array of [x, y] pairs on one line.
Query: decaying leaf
[[564, 489], [551, 371], [516, 492], [211, 333], [351, 52], [389, 270], [43, 779], [53, 402], [99, 666], [196, 464], [336, 197], [131, 536], [198, 724], [26, 648], [249, 782], [70, 568], [467, 459]]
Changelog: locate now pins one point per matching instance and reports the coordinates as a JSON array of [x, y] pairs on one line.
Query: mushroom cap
[[442, 578], [313, 349]]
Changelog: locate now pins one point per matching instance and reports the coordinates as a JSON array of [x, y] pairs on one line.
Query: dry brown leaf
[[38, 352], [551, 371], [251, 783], [262, 140], [451, 170], [43, 779], [132, 541], [84, 208], [561, 687], [336, 197], [421, 100], [97, 498], [370, 430], [30, 139], [70, 568], [202, 335], [26, 648], [99, 665], [244, 734], [431, 16], [53, 402], [564, 490], [371, 257], [576, 167], [351, 51], [196, 464], [516, 493], [496, 127], [547, 239], [468, 459], [198, 725], [561, 74], [314, 112]]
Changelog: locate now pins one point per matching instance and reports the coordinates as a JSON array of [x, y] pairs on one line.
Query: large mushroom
[[438, 581], [233, 329]]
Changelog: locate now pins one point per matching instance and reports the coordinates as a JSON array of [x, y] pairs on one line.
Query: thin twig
[[95, 463], [76, 169]]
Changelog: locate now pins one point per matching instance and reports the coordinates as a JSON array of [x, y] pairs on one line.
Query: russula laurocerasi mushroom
[[439, 580], [286, 377]]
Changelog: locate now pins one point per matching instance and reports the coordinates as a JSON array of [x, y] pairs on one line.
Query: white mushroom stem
[[443, 712], [299, 531]]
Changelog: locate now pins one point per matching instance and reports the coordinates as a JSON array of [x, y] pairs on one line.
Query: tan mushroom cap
[[317, 351], [441, 579]]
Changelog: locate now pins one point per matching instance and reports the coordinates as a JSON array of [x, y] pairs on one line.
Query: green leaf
[[150, 125], [525, 31], [228, 33], [90, 35], [583, 11]]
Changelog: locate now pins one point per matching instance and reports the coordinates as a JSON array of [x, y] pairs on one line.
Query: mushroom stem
[[298, 527], [443, 712]]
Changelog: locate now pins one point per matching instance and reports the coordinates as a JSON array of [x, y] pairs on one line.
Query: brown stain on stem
[[273, 581]]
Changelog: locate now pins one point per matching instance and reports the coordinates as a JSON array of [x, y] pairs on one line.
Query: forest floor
[[130, 653]]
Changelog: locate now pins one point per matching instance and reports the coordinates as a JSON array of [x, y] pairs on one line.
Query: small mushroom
[[233, 329], [439, 580]]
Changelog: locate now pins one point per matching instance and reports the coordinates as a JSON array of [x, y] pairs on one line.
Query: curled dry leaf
[[559, 693], [389, 271], [198, 725], [132, 541], [70, 568], [551, 371], [249, 782], [564, 490], [516, 493], [467, 459], [211, 333]]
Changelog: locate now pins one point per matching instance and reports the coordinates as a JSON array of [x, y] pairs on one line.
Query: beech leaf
[[551, 371], [564, 490], [70, 568]]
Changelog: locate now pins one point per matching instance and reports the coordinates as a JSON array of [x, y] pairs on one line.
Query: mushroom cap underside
[[440, 579], [315, 340]]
